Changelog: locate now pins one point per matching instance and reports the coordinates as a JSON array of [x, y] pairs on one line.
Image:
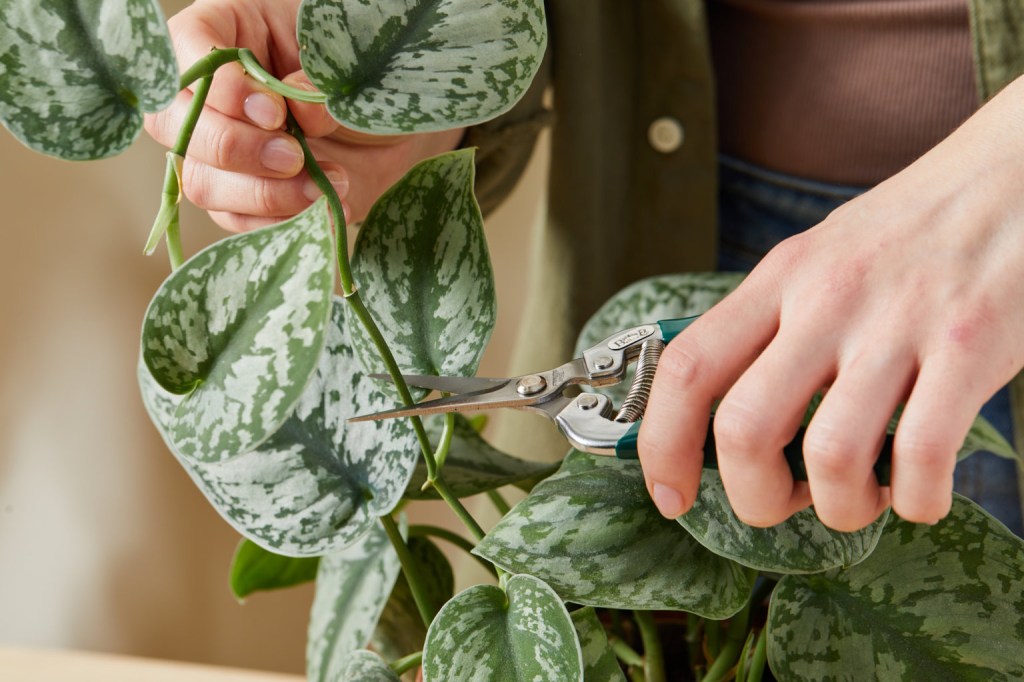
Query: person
[[906, 293]]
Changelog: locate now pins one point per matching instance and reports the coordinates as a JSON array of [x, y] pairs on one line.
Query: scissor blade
[[448, 384], [454, 403]]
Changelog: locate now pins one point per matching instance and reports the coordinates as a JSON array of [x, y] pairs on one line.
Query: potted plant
[[250, 367]]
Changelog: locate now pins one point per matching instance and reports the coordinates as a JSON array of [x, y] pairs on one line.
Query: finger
[[312, 118], [228, 144], [844, 438], [201, 28], [939, 412], [759, 415], [696, 368], [236, 222], [218, 190]]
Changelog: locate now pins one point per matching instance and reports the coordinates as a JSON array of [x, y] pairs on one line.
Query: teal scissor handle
[[671, 328]]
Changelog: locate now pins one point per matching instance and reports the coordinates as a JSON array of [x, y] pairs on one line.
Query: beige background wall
[[104, 542]]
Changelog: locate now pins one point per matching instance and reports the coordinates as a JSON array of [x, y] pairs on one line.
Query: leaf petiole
[[256, 70]]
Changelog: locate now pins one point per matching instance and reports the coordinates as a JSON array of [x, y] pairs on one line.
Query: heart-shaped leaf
[[319, 482], [592, 533], [521, 634], [255, 569], [400, 629], [422, 264], [364, 666], [942, 602], [352, 587], [76, 75], [238, 329], [473, 466], [599, 662], [420, 65], [800, 544]]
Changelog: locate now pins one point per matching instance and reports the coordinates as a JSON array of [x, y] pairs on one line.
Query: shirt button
[[665, 134]]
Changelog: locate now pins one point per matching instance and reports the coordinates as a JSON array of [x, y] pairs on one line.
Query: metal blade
[[458, 385]]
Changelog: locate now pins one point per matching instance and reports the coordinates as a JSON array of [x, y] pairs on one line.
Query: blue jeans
[[758, 209]]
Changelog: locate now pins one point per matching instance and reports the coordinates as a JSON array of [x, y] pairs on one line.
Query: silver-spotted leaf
[[255, 569], [352, 587], [942, 602], [599, 661], [408, 66], [319, 482], [800, 544], [76, 75], [473, 466], [592, 533], [422, 265], [238, 329], [400, 629], [521, 634], [657, 298], [364, 666]]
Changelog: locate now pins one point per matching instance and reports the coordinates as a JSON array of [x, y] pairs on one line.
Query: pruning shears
[[589, 421]]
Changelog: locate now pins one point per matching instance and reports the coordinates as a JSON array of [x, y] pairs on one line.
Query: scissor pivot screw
[[604, 362], [531, 385], [587, 401]]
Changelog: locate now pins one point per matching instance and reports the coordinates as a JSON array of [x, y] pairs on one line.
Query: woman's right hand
[[241, 166]]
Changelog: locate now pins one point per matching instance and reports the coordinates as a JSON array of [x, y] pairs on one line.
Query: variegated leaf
[[365, 666], [352, 587], [238, 329], [76, 75], [599, 662], [800, 544], [521, 634], [592, 533], [422, 264], [657, 298], [473, 466], [942, 602], [255, 569], [319, 483], [400, 630], [406, 66]]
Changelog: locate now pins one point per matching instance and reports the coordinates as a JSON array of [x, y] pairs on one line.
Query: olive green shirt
[[619, 209]]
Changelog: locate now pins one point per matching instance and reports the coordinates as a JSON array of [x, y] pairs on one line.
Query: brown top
[[845, 91]]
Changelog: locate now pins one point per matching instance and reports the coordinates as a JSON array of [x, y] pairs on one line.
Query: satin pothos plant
[[250, 366]]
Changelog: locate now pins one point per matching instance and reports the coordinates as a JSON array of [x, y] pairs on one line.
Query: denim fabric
[[759, 208]]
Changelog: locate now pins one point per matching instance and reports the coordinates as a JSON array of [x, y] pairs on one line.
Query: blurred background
[[105, 544]]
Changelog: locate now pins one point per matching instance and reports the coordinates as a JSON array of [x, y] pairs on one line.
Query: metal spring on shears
[[636, 400]]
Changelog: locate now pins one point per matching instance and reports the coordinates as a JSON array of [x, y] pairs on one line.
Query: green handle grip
[[626, 449], [670, 328]]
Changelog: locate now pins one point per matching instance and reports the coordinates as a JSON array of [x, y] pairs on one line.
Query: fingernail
[[282, 155], [263, 111], [668, 500], [338, 180]]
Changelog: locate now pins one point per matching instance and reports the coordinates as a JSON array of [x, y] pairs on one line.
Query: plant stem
[[499, 502], [454, 538], [404, 665], [625, 653], [256, 70], [760, 659], [410, 569], [207, 65], [453, 501], [694, 637], [654, 661], [735, 636], [443, 447]]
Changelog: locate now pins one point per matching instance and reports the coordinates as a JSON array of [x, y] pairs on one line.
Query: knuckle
[[263, 200], [194, 183], [829, 454], [684, 362], [930, 454], [223, 145], [738, 432]]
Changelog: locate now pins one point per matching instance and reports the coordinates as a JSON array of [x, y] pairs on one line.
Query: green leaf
[[352, 587], [521, 634], [76, 75], [473, 466], [800, 544], [365, 666], [657, 298], [421, 260], [420, 65], [255, 569], [318, 483], [983, 437], [942, 602], [238, 330], [592, 533], [400, 630], [599, 662]]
